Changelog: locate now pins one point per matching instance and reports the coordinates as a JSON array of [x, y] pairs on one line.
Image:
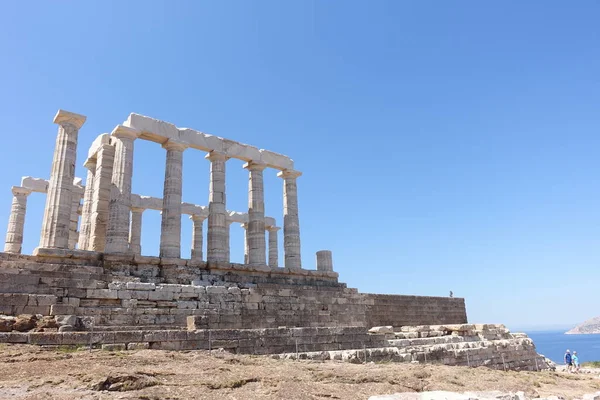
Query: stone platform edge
[[53, 255], [243, 341]]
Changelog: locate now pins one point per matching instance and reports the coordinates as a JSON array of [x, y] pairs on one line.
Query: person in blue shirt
[[575, 360], [568, 360]]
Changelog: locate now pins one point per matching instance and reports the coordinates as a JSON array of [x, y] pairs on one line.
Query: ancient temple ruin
[[89, 282], [111, 215]]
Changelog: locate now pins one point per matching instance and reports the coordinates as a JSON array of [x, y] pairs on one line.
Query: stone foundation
[[149, 291]]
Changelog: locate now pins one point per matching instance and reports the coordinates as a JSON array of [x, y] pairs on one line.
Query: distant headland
[[588, 327]]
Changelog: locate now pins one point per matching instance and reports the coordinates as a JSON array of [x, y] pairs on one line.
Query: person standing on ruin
[[568, 360]]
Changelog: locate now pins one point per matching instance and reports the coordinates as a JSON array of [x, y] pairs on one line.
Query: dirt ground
[[28, 372]]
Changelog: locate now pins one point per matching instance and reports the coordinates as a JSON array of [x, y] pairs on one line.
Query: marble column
[[218, 230], [324, 261], [170, 231], [291, 223], [16, 221], [57, 214], [197, 237], [245, 226], [227, 241], [101, 197], [117, 232], [273, 247], [77, 194], [135, 233], [86, 213], [256, 215]]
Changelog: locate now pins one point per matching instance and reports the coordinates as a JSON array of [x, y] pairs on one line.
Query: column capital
[[124, 132], [172, 145], [289, 174], [198, 217], [63, 117], [255, 166], [244, 225], [216, 156], [20, 191], [138, 209], [272, 228], [90, 164]]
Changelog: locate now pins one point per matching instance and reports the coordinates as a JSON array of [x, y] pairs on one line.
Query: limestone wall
[[396, 310], [139, 291]]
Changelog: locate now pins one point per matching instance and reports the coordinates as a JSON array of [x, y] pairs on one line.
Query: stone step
[[119, 328]]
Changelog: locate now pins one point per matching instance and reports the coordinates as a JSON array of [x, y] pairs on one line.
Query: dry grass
[[28, 372]]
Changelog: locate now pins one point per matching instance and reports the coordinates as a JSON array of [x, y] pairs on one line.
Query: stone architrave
[[101, 197], [245, 226], [77, 194], [135, 234], [86, 212], [170, 232], [197, 237], [57, 214], [117, 233], [291, 222], [255, 238], [218, 230], [273, 246], [16, 221]]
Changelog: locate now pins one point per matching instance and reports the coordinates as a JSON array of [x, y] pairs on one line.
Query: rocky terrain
[[590, 326], [33, 372]]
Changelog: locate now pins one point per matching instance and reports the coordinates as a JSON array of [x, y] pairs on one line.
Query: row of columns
[[107, 202], [197, 253]]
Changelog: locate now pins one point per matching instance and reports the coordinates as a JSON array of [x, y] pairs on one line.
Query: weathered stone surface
[[382, 329], [57, 213]]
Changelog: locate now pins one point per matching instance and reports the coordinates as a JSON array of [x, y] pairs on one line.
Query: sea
[[553, 345]]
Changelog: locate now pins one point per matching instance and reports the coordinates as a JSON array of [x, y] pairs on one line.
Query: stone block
[[140, 286], [14, 337], [43, 338], [41, 300], [72, 338], [138, 346], [216, 290], [162, 296], [129, 303], [61, 309], [114, 347], [187, 304], [382, 329], [11, 299], [117, 285], [168, 288], [102, 294]]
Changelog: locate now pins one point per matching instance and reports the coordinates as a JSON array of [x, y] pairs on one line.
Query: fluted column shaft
[[101, 197], [117, 235], [218, 230], [228, 241], [16, 221], [170, 231], [77, 194], [85, 228], [135, 233], [273, 247], [57, 214], [197, 237], [245, 226], [291, 222], [255, 238]]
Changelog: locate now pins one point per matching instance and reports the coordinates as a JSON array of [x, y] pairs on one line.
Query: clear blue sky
[[444, 145]]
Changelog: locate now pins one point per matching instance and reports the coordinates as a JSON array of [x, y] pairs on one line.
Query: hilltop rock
[[588, 327]]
